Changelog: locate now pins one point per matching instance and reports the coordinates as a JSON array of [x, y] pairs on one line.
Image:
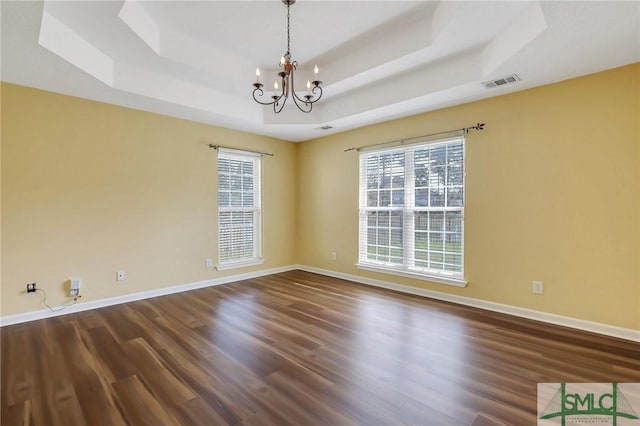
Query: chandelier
[[284, 90]]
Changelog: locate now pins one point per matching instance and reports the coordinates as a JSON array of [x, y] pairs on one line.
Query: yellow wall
[[1, 214], [90, 188], [552, 195], [636, 72]]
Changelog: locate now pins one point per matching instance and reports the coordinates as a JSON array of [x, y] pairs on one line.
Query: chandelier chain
[[288, 29]]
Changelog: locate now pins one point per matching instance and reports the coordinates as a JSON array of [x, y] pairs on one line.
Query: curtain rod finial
[[478, 126]]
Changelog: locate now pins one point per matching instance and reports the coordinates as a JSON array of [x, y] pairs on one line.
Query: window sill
[[239, 264], [440, 279]]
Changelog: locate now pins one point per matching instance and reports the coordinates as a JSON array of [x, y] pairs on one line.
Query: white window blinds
[[412, 210], [239, 208]]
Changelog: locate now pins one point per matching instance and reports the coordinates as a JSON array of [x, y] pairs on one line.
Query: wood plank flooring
[[294, 349]]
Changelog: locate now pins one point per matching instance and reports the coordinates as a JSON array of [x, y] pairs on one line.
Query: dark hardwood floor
[[294, 348]]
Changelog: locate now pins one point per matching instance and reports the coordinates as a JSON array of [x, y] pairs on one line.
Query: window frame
[[256, 209], [408, 210]]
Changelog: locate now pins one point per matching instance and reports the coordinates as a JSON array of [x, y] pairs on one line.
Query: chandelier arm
[[261, 93], [295, 96], [314, 92], [283, 93], [278, 107], [275, 100], [310, 100], [306, 104], [285, 87]]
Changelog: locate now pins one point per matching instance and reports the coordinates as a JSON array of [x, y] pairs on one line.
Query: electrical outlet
[[209, 263], [334, 256], [31, 287], [538, 287], [74, 287], [120, 276]]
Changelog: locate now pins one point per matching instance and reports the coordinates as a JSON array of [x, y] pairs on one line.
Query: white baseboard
[[100, 303], [608, 330]]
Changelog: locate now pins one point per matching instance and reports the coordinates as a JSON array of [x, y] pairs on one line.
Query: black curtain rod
[[479, 126], [240, 149]]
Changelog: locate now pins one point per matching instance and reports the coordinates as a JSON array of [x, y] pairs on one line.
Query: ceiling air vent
[[324, 128], [501, 81]]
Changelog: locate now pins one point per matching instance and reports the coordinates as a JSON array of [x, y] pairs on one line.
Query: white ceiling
[[379, 60]]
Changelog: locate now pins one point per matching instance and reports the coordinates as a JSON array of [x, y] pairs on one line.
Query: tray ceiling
[[379, 60]]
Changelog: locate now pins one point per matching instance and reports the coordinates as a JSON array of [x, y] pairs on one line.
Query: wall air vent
[[324, 128], [513, 78]]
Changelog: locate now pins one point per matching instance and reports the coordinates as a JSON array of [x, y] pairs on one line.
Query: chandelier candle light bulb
[[286, 78]]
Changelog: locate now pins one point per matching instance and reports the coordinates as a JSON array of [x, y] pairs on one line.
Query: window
[[412, 210], [238, 209]]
